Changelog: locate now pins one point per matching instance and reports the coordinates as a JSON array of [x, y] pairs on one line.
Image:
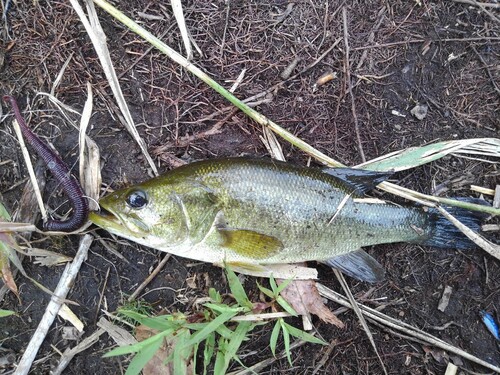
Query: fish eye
[[137, 199]]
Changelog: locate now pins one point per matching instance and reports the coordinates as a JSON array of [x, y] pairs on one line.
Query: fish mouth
[[114, 223], [106, 220]]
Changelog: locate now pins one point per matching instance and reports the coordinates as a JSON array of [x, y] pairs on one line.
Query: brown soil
[[442, 54]]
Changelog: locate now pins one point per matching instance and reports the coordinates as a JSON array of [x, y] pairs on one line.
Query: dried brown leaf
[[6, 274], [304, 297]]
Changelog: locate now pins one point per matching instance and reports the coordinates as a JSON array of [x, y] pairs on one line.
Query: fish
[[254, 214]]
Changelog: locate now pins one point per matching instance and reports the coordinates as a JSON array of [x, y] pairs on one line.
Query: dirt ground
[[443, 54]]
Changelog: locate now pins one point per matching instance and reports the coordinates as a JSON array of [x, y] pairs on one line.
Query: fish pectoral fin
[[249, 243], [360, 180], [359, 265], [278, 271]]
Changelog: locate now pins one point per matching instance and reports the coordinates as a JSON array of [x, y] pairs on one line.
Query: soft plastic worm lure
[[60, 171]]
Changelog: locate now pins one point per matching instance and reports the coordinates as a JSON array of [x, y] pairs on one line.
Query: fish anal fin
[[278, 271], [249, 243], [360, 180], [359, 265]]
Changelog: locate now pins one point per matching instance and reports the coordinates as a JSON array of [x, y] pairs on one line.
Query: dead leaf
[[304, 297], [6, 273], [156, 365]]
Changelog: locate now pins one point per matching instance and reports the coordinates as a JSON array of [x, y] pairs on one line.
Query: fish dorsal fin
[[360, 180], [359, 265], [249, 243]]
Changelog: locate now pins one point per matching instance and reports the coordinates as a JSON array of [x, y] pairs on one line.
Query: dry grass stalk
[[65, 283], [98, 38]]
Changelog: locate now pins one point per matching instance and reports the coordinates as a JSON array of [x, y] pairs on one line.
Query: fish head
[[144, 213]]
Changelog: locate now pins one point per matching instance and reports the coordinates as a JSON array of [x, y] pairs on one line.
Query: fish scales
[[299, 207]]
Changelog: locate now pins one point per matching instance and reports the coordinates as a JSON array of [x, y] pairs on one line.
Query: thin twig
[[357, 310], [70, 353], [263, 364], [150, 277], [62, 289], [349, 84]]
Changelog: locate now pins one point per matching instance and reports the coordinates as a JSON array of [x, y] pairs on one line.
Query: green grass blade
[[283, 285], [415, 156], [220, 357], [274, 285], [208, 352], [142, 357], [286, 340], [304, 336], [274, 337], [134, 348], [221, 308], [237, 290], [210, 327], [4, 214], [214, 295], [4, 313], [182, 352], [159, 323], [224, 332], [239, 334], [286, 306], [267, 292]]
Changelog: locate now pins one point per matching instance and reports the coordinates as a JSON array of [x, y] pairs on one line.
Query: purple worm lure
[[61, 173]]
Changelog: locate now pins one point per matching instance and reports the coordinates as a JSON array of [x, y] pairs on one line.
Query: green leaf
[[134, 348], [4, 214], [214, 295], [208, 352], [267, 292], [237, 289], [304, 336], [224, 331], [4, 313], [181, 352], [273, 284], [142, 357], [159, 323], [289, 309], [283, 285], [286, 340], [210, 327], [415, 156], [274, 337], [239, 334], [222, 308], [220, 357]]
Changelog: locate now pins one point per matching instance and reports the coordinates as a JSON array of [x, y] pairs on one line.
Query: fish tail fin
[[446, 235]]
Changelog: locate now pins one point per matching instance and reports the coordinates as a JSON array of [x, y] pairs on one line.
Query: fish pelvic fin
[[359, 180], [359, 265]]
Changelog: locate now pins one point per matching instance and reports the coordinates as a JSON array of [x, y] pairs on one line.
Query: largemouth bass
[[256, 212]]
